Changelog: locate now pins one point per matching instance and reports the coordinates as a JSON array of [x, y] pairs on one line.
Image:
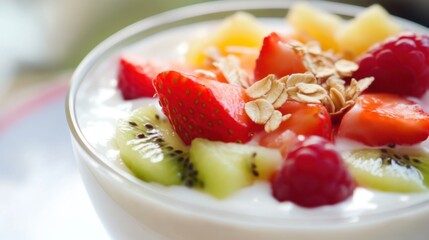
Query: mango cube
[[239, 30], [372, 25], [316, 24]]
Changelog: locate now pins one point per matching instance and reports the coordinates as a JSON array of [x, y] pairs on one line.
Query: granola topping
[[230, 68], [323, 83], [259, 110]]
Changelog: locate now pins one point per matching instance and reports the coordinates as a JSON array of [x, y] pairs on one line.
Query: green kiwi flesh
[[152, 150], [390, 170], [225, 168]]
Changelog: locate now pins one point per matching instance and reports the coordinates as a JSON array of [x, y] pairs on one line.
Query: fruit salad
[[314, 110]]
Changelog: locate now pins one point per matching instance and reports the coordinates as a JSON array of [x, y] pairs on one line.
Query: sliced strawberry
[[383, 119], [136, 75], [203, 108], [306, 119], [277, 57]]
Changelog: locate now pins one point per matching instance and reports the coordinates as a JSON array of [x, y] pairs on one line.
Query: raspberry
[[399, 65], [313, 175]]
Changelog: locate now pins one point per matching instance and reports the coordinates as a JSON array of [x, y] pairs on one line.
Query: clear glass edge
[[197, 10]]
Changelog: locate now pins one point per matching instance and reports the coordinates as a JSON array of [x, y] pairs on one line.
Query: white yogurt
[[251, 213]]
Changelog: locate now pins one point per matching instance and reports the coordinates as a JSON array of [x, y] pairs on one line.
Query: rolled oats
[[298, 47], [296, 78], [324, 72], [338, 98], [205, 73], [352, 90], [281, 99], [231, 69], [313, 48], [322, 83], [276, 90], [261, 87], [357, 87], [364, 83], [292, 93], [329, 104], [213, 54], [274, 122], [310, 98], [345, 68], [308, 88], [259, 110], [335, 82]]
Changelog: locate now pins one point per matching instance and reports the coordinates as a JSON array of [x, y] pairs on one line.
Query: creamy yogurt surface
[[99, 105]]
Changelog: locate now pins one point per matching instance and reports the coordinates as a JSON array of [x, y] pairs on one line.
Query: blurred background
[[42, 38]]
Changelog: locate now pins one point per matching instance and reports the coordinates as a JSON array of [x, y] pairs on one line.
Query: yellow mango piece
[[239, 30], [367, 28], [315, 24]]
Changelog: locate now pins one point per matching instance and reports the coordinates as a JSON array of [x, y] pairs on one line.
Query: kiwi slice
[[225, 168], [390, 170], [152, 150]]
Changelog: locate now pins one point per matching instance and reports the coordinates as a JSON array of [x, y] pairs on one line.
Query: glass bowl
[[132, 209]]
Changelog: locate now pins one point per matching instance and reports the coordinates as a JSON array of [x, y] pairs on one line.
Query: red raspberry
[[313, 175], [399, 65]]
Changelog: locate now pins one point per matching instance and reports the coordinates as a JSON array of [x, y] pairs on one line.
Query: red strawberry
[[399, 65], [313, 175], [383, 119], [203, 108], [306, 119], [135, 77], [277, 57]]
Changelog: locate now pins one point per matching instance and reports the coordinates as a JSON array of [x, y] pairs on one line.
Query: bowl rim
[[190, 11]]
